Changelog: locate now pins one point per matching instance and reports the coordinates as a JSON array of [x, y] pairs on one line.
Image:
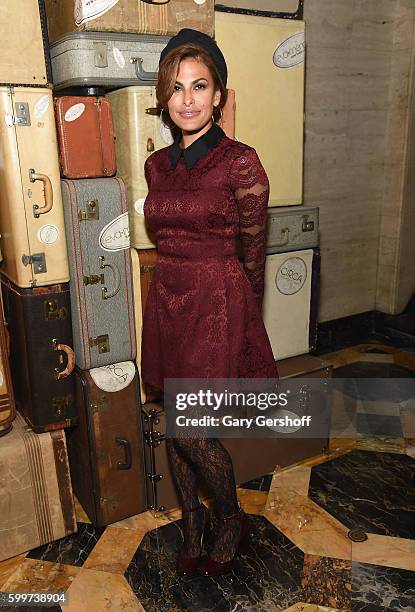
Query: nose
[[188, 98]]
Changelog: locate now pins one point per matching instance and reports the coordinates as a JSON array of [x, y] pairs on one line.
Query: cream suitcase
[[24, 57], [31, 214], [290, 301], [139, 131], [270, 113]]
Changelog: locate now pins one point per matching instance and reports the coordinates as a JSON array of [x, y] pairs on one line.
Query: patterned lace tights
[[206, 458]]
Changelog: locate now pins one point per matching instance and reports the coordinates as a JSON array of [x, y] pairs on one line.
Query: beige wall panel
[[269, 99]]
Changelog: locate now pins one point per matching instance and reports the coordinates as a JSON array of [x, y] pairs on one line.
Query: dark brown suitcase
[[85, 136], [106, 449], [7, 405], [41, 357], [252, 457]]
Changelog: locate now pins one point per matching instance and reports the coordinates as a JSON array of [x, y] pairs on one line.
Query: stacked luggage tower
[[79, 120], [77, 96]]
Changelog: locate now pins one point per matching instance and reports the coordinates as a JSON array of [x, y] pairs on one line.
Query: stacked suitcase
[[35, 326]]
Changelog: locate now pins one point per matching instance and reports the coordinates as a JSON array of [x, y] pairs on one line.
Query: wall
[[357, 107]]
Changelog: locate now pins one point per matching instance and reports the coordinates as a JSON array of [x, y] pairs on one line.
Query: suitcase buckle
[[102, 342], [91, 212]]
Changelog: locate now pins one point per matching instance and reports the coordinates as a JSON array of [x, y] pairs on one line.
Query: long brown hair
[[168, 71]]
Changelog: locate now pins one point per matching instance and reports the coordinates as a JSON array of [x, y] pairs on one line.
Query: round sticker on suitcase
[[48, 234], [74, 111], [290, 52], [291, 275], [114, 377], [115, 236], [41, 106], [85, 10]]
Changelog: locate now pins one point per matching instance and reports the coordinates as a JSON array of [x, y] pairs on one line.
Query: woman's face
[[191, 104]]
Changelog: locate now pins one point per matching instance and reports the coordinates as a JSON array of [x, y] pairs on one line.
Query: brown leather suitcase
[[143, 263], [41, 357], [252, 457], [7, 405], [106, 449], [85, 136]]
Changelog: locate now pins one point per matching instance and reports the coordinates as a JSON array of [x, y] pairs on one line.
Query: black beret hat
[[187, 35]]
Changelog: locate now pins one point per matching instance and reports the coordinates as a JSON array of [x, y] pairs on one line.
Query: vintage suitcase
[[264, 453], [41, 356], [139, 16], [291, 9], [106, 59], [292, 228], [139, 131], [106, 449], [24, 58], [7, 404], [290, 301], [31, 215], [143, 263], [85, 136], [271, 60], [96, 221], [35, 490]]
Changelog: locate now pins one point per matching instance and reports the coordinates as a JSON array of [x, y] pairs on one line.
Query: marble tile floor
[[300, 557]]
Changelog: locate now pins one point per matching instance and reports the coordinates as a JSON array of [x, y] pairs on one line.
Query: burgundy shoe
[[211, 567], [187, 565]]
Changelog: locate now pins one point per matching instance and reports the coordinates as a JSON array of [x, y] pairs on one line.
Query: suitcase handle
[[128, 457], [140, 73], [155, 3], [286, 233], [47, 192], [117, 276], [70, 364]]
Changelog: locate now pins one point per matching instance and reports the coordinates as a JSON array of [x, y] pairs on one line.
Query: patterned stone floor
[[300, 557]]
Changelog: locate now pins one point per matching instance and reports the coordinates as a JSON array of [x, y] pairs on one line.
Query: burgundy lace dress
[[203, 312]]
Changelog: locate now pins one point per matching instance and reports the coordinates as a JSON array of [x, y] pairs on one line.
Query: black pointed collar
[[197, 149]]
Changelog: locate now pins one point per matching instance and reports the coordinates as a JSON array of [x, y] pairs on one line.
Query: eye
[[176, 88], [201, 85]]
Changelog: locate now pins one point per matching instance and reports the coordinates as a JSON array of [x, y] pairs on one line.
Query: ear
[[216, 97]]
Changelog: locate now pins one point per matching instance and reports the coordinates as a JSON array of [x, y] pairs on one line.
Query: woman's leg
[[214, 464], [185, 479]]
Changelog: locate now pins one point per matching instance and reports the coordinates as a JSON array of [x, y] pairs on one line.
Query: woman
[[203, 311]]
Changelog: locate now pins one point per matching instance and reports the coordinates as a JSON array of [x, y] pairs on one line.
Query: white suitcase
[[139, 131], [290, 302], [31, 213]]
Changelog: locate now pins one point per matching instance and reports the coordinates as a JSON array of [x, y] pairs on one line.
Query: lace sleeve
[[251, 187]]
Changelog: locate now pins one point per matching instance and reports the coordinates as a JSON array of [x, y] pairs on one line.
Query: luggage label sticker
[[291, 275], [85, 10], [114, 377], [74, 111], [199, 1], [115, 236], [48, 234], [41, 106], [118, 57], [290, 52]]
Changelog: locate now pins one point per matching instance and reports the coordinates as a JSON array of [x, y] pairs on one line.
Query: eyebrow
[[193, 82]]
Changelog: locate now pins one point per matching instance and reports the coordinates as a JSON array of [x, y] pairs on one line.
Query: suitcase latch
[[100, 405], [91, 212], [38, 260], [307, 226], [22, 113], [102, 342], [53, 312], [94, 279], [61, 404]]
